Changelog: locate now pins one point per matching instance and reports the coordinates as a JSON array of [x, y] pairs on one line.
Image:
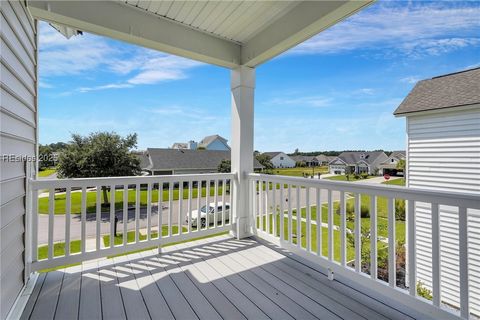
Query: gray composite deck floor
[[215, 278]]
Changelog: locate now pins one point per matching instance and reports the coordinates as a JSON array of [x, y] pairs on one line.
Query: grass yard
[[46, 172], [396, 182], [60, 199], [75, 245], [344, 178], [299, 171]]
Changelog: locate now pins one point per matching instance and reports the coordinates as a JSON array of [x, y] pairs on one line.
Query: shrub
[[365, 211], [364, 175], [400, 210], [357, 176], [423, 292]]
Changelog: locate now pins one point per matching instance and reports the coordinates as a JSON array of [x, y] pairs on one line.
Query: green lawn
[[396, 182], [46, 172], [299, 171], [60, 199], [75, 245], [344, 178]]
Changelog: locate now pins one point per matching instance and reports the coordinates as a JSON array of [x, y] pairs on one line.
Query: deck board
[[214, 278]]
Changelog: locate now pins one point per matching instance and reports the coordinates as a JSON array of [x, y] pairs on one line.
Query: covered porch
[[282, 258]]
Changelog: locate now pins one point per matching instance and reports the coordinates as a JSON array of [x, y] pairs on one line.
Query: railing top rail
[[90, 182], [452, 198]]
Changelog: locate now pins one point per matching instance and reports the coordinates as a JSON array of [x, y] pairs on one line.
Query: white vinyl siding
[[18, 85], [444, 154]]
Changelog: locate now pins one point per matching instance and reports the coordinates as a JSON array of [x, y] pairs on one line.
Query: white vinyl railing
[[68, 223], [331, 231]]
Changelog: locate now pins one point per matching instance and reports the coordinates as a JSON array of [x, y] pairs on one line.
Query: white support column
[[242, 87]]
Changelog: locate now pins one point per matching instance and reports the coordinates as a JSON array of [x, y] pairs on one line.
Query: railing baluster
[[215, 210], [290, 222], [84, 219], [51, 216], [330, 225], [125, 215], [170, 211], [463, 256], [160, 209], [282, 214], [207, 204], [308, 212], [180, 207], [260, 203], [112, 216], [343, 225], [274, 211], [358, 232], [392, 270], [412, 245], [224, 182], [267, 209], [98, 217], [319, 222], [199, 204], [149, 211], [373, 237], [436, 294], [68, 209], [299, 218], [34, 251], [190, 192], [137, 212]]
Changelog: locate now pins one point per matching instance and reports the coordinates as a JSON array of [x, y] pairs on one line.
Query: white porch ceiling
[[227, 33]]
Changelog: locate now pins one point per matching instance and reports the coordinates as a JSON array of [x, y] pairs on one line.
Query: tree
[[46, 158], [225, 166], [101, 154], [265, 161]]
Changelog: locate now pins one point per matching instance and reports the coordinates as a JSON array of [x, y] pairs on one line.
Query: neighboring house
[[309, 161], [157, 161], [280, 159], [214, 142], [324, 160], [357, 162], [390, 165], [443, 153]]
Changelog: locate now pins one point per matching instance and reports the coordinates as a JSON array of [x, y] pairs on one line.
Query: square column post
[[242, 87]]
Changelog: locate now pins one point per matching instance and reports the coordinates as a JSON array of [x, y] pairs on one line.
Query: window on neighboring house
[[281, 158]]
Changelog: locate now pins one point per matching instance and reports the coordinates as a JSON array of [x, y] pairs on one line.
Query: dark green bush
[[400, 210], [365, 211]]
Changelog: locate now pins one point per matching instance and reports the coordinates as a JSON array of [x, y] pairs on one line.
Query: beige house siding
[[18, 136], [444, 154]]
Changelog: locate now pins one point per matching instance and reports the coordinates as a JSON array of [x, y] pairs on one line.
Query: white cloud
[[410, 79], [86, 54], [365, 91], [413, 29], [311, 101]]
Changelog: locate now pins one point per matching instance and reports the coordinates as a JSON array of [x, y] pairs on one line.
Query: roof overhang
[[283, 29]]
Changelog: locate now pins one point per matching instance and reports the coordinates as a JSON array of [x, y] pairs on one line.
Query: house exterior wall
[[218, 145], [282, 160], [443, 153], [18, 136], [337, 168]]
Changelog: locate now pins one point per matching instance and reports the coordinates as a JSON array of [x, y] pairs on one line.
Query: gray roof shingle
[[447, 91], [174, 159], [354, 157]]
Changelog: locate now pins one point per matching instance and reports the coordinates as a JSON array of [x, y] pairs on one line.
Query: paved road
[[75, 227]]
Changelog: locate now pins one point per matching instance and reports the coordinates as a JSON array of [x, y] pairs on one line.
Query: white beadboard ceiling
[[237, 21]]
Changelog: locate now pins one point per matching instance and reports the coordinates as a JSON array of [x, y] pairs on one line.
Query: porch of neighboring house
[[296, 247]]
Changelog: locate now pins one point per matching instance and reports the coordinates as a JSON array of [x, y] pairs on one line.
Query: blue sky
[[336, 91]]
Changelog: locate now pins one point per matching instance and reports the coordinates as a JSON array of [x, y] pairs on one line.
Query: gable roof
[[301, 158], [324, 158], [174, 159], [398, 154], [209, 139], [447, 91], [354, 157], [272, 154]]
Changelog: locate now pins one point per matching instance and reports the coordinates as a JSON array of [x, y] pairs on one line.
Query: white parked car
[[211, 214]]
